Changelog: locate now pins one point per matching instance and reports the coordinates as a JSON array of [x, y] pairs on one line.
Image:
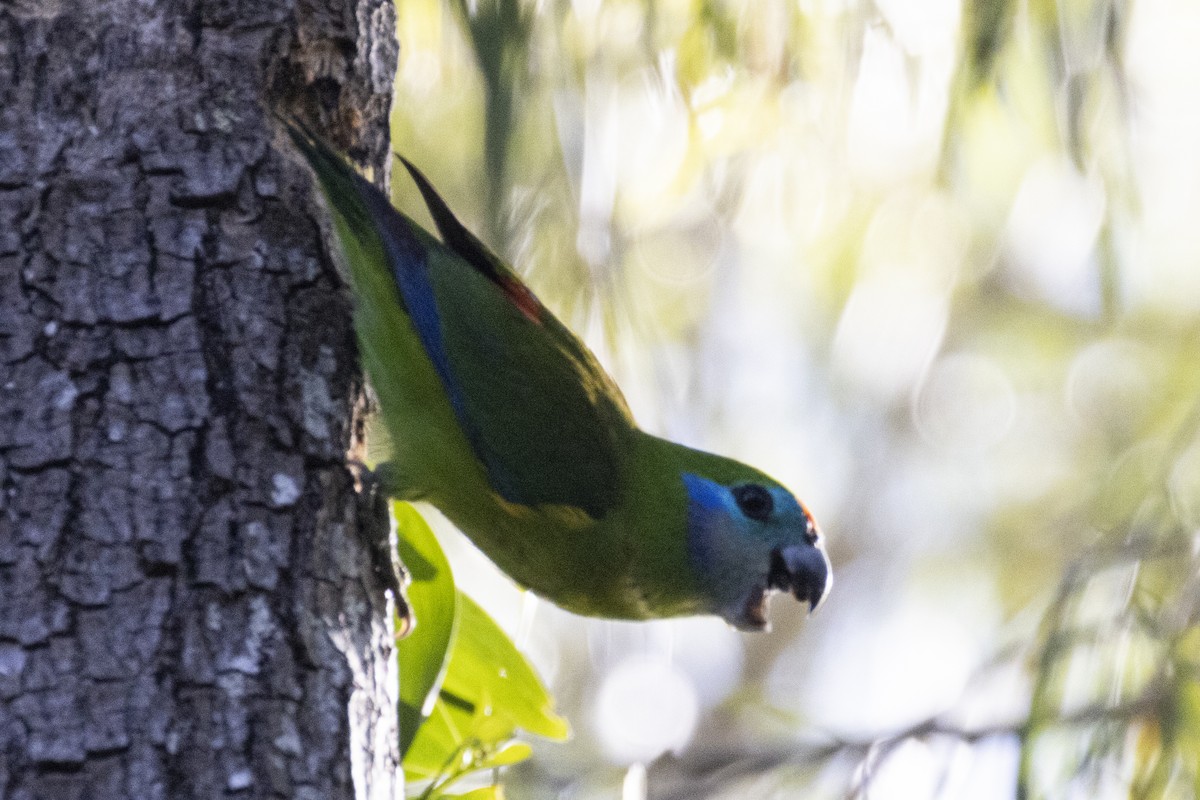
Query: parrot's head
[[749, 537]]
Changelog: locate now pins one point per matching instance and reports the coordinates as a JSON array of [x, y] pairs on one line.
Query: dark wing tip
[[473, 251], [453, 231]]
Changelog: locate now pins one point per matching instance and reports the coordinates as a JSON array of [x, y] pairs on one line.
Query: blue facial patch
[[708, 504], [704, 493]]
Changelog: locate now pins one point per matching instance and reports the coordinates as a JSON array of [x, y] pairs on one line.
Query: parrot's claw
[[379, 537], [363, 474], [385, 478]]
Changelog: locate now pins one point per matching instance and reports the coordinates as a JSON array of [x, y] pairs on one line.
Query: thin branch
[[877, 749]]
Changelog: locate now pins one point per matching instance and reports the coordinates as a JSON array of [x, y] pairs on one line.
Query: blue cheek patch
[[707, 507]]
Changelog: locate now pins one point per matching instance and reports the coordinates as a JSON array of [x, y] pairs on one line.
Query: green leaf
[[456, 741], [512, 753], [489, 691], [487, 669], [423, 656], [465, 689], [442, 742], [483, 793]]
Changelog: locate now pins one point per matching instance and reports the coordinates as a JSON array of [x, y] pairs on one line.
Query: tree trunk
[[186, 607]]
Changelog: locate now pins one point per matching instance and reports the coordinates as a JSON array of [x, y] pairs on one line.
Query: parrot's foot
[[377, 535], [386, 478]]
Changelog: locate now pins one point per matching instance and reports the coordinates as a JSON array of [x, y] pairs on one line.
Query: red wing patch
[[520, 296]]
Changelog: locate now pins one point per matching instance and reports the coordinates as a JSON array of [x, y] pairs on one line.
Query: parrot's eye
[[754, 501]]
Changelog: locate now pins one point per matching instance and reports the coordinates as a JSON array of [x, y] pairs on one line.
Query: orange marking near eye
[[816, 529]]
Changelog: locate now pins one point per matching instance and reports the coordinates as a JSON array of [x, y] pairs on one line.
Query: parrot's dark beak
[[803, 570]]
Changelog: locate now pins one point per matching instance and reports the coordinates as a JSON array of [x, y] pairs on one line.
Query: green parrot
[[500, 417]]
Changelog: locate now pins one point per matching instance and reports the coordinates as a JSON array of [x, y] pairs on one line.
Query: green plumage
[[500, 417]]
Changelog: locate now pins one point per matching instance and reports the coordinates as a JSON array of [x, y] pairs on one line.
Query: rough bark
[[186, 609]]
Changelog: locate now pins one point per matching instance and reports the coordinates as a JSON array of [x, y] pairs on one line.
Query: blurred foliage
[[934, 265], [464, 687]]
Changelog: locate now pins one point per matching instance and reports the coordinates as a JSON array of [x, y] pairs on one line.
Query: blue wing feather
[[542, 417], [409, 261]]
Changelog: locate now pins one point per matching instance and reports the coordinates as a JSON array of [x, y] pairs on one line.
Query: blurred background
[[933, 264]]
